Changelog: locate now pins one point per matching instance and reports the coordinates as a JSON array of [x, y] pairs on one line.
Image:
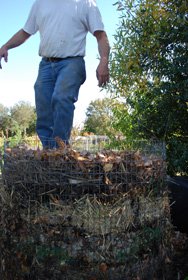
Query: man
[[63, 26]]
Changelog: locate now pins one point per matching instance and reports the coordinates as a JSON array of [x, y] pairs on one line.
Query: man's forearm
[[103, 45], [104, 50], [19, 38]]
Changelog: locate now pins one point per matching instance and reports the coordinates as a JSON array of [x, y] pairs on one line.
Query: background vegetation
[[149, 71], [18, 121]]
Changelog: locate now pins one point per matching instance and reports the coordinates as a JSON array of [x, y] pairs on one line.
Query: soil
[[176, 267]]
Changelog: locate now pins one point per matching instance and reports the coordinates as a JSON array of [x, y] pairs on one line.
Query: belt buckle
[[52, 59], [56, 59]]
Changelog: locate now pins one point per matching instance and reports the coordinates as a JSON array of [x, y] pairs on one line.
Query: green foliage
[[149, 69], [31, 128], [18, 120], [8, 125], [3, 115], [177, 154], [24, 114], [14, 140], [99, 116]]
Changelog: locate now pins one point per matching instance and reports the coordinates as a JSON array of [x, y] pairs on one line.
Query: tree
[[99, 117], [149, 69], [24, 114], [7, 125], [4, 116]]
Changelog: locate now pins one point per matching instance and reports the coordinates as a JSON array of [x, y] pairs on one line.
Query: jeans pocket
[[83, 71]]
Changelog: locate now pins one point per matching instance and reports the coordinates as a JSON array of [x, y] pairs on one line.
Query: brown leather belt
[[56, 59]]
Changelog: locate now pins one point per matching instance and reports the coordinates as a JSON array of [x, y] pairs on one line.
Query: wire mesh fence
[[75, 213]]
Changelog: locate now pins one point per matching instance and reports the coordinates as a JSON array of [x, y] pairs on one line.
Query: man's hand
[[103, 72], [3, 53], [17, 39]]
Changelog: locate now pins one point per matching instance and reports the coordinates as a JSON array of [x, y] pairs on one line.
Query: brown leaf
[[108, 167], [60, 142], [168, 260], [25, 269], [103, 267], [107, 181]]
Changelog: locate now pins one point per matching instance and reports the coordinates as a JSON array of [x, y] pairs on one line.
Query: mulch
[[177, 265]]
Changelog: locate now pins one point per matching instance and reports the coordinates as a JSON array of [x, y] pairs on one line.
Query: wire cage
[[78, 213]]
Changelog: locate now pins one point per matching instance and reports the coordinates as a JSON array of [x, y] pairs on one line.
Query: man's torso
[[63, 25]]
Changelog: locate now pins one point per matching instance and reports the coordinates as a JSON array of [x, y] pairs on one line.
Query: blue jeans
[[56, 90]]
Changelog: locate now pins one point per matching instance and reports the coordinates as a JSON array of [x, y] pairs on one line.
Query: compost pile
[[72, 215], [71, 174]]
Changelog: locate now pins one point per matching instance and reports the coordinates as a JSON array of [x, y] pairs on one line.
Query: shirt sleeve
[[31, 26], [93, 17]]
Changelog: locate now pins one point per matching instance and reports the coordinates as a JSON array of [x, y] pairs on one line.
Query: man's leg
[[71, 75], [44, 88]]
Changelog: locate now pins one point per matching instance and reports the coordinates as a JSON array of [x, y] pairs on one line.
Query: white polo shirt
[[63, 25]]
